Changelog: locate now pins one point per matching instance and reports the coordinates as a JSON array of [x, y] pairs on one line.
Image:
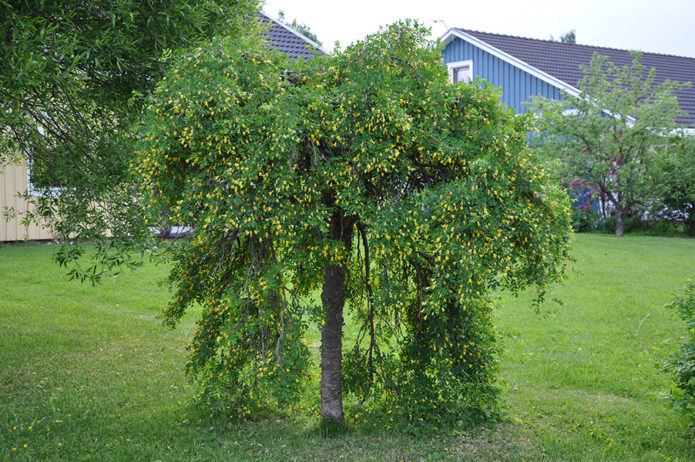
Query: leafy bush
[[682, 362], [659, 228], [607, 225], [585, 221], [589, 221]]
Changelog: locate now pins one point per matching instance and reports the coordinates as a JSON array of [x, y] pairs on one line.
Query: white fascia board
[[684, 131], [306, 39], [454, 33], [574, 111]]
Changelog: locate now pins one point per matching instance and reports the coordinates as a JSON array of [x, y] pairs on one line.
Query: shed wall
[[13, 179]]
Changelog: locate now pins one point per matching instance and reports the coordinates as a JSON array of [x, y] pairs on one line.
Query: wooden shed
[[13, 180]]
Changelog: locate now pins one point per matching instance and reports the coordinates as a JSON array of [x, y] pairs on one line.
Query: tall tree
[[618, 137], [365, 177], [72, 83]]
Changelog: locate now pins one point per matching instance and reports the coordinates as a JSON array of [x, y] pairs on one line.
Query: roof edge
[[582, 45], [455, 33], [306, 39]]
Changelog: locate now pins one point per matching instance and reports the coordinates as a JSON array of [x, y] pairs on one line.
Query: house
[[15, 178], [526, 67], [288, 40]]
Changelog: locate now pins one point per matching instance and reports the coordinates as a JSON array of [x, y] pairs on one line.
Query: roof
[[563, 61], [289, 41]]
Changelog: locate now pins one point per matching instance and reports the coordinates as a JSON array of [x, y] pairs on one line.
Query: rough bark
[[333, 299]]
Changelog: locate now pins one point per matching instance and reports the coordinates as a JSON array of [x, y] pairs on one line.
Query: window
[[34, 190], [461, 71]]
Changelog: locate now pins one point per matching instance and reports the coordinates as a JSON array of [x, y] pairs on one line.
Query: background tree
[[301, 28], [617, 137], [72, 83], [567, 37], [678, 203], [364, 176]]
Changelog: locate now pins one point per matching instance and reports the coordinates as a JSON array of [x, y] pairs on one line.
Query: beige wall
[[13, 179]]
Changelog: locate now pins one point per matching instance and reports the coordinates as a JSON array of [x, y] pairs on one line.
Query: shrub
[[681, 362], [585, 221], [607, 225], [659, 228]]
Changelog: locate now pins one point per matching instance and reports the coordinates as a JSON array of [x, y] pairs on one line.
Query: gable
[[518, 85]]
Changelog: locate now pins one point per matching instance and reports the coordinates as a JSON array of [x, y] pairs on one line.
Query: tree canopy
[[72, 83], [363, 178], [617, 141], [678, 202], [569, 37], [299, 27]]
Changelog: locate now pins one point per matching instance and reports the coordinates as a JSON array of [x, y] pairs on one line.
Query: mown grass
[[90, 373]]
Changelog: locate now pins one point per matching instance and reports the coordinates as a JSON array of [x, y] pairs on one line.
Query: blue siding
[[517, 85]]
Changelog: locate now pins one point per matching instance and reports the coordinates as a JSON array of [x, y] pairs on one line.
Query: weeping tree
[[365, 177]]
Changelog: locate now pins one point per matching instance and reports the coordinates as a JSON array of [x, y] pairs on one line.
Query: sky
[[658, 26]]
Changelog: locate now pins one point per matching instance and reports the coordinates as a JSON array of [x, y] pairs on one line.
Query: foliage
[[567, 37], [72, 83], [277, 165], [681, 363], [585, 220], [588, 220], [299, 27], [678, 204], [618, 136]]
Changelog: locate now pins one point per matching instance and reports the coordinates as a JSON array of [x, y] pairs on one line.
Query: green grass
[[90, 373], [584, 377]]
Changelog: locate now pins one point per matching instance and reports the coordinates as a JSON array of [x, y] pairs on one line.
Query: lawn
[[89, 373]]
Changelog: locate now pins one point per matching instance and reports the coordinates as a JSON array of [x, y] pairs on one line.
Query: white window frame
[[31, 191], [30, 187], [456, 65]]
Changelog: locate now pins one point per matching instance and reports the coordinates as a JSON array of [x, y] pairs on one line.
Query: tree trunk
[[690, 222], [619, 222], [333, 299]]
